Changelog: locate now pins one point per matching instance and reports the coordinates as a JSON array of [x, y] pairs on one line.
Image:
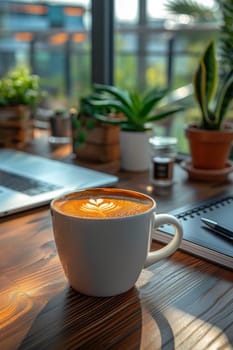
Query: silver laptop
[[28, 181]]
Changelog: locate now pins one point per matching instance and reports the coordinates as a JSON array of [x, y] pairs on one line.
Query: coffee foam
[[104, 203]]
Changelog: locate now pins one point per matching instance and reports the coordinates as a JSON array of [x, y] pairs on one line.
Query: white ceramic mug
[[103, 256]]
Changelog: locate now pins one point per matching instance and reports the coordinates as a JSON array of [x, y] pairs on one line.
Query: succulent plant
[[135, 112]]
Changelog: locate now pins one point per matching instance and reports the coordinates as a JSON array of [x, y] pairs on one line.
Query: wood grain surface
[[179, 303]]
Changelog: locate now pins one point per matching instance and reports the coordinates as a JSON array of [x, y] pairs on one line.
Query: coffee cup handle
[[172, 246]]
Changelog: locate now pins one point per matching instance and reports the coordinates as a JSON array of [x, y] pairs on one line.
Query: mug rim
[[70, 193]]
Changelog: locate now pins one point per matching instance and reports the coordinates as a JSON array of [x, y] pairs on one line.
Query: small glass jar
[[163, 152], [60, 127]]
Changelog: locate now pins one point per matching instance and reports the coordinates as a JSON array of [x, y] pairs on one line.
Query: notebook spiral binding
[[205, 208], [198, 240]]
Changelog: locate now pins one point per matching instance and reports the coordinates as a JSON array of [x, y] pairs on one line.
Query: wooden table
[[179, 303]]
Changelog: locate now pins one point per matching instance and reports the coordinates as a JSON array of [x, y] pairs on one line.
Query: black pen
[[222, 230]]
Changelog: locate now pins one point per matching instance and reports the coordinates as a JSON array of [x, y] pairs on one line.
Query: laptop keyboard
[[25, 184]]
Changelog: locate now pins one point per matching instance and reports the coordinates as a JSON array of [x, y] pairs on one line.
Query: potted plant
[[19, 93], [92, 139], [135, 114], [210, 141]]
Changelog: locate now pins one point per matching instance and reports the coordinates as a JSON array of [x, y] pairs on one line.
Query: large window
[[53, 38], [155, 47], [151, 46]]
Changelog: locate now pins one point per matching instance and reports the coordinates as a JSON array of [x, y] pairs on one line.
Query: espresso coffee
[[103, 203]]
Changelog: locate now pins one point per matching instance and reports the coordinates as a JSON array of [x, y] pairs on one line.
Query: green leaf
[[198, 11], [224, 97], [121, 95], [156, 93], [107, 120], [151, 99], [135, 104], [163, 114], [199, 84], [213, 105], [210, 62], [90, 124], [116, 105], [205, 81], [81, 137], [75, 123]]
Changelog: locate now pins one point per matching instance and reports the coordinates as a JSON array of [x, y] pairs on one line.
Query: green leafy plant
[[214, 97], [82, 120], [199, 12], [18, 86], [133, 112]]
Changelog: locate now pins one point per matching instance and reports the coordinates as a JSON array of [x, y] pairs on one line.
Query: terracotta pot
[[209, 149]]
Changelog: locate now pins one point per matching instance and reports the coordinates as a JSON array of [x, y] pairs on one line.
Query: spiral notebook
[[198, 239]]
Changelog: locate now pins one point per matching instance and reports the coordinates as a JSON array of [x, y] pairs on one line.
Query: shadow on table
[[74, 321]]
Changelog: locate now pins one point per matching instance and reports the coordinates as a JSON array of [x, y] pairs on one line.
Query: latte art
[[103, 203], [99, 206]]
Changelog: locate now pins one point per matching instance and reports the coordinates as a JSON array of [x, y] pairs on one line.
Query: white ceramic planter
[[134, 149]]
